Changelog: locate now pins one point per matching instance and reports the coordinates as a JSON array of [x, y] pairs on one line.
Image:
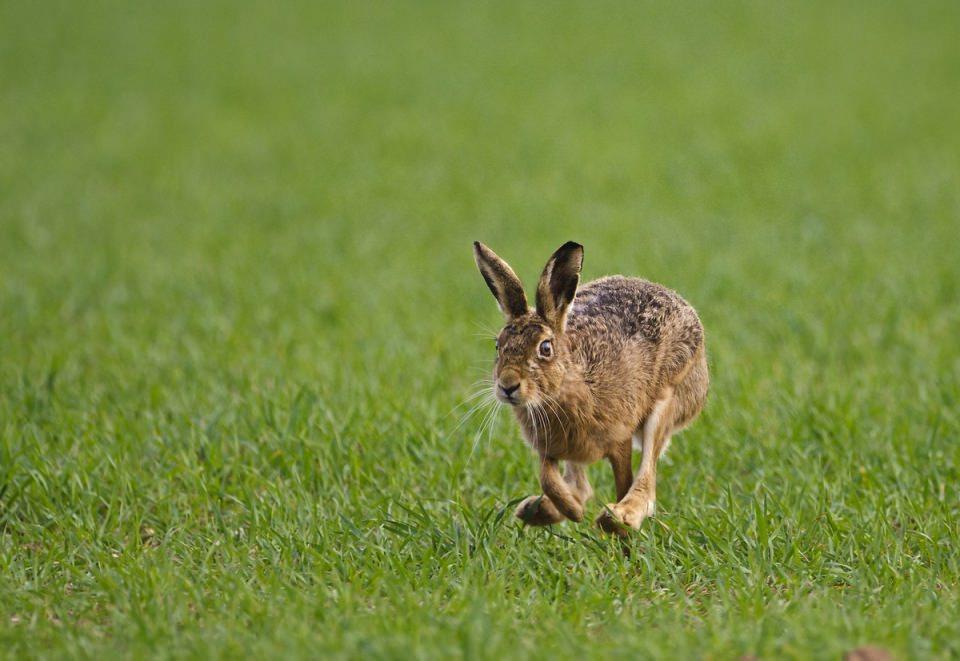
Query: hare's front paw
[[619, 518], [538, 511]]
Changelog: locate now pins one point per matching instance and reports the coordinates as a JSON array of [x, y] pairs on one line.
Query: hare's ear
[[502, 281], [558, 284]]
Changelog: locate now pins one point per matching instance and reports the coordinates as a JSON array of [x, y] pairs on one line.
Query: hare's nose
[[509, 390]]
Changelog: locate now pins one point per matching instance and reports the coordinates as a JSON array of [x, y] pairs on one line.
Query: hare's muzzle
[[506, 391]]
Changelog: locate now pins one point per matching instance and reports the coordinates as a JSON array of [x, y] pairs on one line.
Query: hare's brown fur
[[589, 372]]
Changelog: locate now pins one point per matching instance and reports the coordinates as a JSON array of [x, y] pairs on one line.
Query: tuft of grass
[[240, 323]]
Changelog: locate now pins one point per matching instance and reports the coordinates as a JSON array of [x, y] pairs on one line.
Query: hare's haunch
[[589, 372]]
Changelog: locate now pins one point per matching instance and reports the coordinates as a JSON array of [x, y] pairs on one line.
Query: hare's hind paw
[[610, 521], [538, 511], [618, 519]]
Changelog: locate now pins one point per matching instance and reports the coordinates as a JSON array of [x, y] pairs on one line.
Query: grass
[[238, 310]]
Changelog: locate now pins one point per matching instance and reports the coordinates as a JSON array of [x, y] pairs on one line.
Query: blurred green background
[[239, 316]]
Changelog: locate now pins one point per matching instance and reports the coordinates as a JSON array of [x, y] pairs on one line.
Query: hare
[[590, 373]]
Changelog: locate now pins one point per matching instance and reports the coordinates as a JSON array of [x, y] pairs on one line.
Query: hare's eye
[[546, 349], [496, 344]]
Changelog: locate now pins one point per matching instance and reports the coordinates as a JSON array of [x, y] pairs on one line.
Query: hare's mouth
[[509, 391]]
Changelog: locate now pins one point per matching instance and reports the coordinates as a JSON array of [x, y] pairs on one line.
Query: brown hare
[[589, 373]]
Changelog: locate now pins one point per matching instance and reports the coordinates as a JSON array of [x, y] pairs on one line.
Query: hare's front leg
[[562, 498], [621, 461]]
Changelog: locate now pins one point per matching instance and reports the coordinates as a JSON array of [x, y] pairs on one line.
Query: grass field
[[239, 311]]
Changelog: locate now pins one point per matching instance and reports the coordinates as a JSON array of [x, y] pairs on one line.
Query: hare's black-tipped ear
[[502, 281], [558, 284]]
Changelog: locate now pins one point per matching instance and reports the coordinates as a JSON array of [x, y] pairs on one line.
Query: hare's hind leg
[[571, 493], [640, 500], [691, 393], [674, 410]]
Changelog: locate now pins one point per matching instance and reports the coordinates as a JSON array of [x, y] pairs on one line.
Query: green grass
[[238, 308]]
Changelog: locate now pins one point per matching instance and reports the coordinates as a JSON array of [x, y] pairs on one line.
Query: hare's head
[[532, 351]]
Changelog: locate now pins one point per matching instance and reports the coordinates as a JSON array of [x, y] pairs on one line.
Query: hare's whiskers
[[485, 426]]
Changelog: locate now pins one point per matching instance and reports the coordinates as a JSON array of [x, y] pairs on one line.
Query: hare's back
[[633, 308]]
